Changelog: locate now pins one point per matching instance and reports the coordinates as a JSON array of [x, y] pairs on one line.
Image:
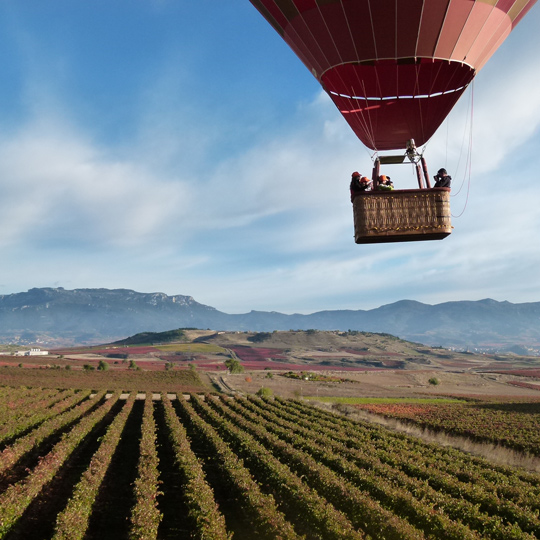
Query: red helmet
[[355, 173]]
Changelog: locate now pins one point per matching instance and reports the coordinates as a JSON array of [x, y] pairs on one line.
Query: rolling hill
[[56, 316]]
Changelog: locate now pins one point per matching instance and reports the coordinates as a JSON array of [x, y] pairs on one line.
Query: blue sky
[[181, 147]]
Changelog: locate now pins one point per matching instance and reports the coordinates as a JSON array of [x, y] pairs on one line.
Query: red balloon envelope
[[394, 68]]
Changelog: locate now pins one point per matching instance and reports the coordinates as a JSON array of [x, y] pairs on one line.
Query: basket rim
[[384, 193]]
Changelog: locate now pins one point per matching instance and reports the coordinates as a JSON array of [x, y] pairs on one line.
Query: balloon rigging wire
[[369, 129], [468, 164], [373, 29], [364, 120], [446, 149], [328, 30], [466, 128], [309, 31], [351, 35], [363, 117], [366, 125], [417, 90]]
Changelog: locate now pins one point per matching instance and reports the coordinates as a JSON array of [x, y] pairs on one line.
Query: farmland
[[87, 464], [512, 424], [166, 381], [122, 441]]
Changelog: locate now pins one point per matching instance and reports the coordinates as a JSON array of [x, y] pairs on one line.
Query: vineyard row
[[78, 465]]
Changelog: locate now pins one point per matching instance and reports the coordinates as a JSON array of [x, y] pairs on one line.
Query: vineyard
[[511, 424], [76, 464], [167, 381]]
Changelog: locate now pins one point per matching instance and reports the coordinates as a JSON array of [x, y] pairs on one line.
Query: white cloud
[[58, 184], [270, 225]]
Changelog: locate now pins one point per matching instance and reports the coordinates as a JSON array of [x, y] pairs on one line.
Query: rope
[[468, 166], [363, 116], [447, 131], [467, 126], [419, 26]]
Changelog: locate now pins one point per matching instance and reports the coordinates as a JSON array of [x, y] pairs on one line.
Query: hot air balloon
[[395, 69]]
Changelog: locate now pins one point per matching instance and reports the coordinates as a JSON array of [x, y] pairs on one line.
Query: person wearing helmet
[[385, 184], [442, 179], [359, 184]]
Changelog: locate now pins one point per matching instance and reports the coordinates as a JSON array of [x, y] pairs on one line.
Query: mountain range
[[55, 316]]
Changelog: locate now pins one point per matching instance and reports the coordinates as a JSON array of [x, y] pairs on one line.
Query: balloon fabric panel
[[394, 69]]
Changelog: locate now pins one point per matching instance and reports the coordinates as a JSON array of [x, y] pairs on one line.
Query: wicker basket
[[402, 215]]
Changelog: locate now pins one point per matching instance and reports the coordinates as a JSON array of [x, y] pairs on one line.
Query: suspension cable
[[468, 164], [466, 127]]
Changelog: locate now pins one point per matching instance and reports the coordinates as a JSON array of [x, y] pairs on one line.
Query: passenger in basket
[[442, 179], [385, 184], [359, 184]]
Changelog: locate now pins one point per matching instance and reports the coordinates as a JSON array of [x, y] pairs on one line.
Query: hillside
[[344, 364], [58, 317]]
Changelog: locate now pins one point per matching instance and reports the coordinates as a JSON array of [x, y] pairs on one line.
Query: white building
[[32, 352]]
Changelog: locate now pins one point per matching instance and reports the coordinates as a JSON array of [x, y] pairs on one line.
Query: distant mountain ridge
[[84, 316]]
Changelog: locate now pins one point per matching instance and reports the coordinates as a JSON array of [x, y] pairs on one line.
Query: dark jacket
[[442, 181], [358, 187]]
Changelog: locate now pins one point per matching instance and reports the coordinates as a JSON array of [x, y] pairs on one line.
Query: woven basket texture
[[422, 212]]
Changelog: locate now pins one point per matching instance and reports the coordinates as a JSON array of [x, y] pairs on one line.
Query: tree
[[103, 366], [234, 365]]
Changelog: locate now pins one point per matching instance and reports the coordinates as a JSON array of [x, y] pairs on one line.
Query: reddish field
[[269, 365], [303, 367], [15, 364], [169, 381], [512, 424], [126, 350]]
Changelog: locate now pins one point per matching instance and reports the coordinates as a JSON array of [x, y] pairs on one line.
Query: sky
[[181, 147]]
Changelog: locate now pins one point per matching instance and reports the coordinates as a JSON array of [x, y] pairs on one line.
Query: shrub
[[103, 366], [264, 392], [234, 365]]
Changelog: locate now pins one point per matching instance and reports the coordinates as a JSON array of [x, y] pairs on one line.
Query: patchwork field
[[126, 442]]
